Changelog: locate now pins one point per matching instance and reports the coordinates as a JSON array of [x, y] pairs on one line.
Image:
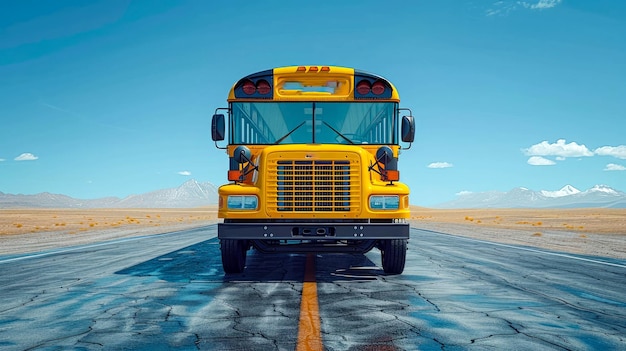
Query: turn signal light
[[390, 175], [234, 175]]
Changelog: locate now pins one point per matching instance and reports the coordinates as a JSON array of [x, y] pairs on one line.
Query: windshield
[[313, 122]]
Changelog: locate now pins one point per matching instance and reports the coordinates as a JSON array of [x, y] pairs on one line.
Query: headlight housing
[[384, 202], [242, 202]]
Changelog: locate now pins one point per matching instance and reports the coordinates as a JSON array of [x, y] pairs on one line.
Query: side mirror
[[408, 129], [218, 127]]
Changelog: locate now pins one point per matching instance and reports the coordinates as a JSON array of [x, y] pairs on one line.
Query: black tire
[[393, 254], [233, 255]]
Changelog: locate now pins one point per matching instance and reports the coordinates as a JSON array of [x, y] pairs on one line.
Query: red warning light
[[378, 88], [363, 88], [263, 87], [248, 87]]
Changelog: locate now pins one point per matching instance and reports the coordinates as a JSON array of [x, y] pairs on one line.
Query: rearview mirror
[[218, 127], [408, 129]]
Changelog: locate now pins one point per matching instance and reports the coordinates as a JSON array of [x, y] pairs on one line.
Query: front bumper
[[313, 231]]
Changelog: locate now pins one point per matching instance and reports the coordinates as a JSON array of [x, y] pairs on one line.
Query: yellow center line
[[309, 330]]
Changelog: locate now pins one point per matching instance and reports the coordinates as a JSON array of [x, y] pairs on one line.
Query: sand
[[590, 231], [33, 230], [594, 232]]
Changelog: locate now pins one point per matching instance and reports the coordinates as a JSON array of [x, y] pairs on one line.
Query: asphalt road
[[169, 292]]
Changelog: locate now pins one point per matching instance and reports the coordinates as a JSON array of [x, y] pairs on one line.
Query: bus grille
[[314, 186]]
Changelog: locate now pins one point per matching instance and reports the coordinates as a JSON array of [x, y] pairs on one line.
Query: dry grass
[[73, 221], [587, 220], [583, 231]]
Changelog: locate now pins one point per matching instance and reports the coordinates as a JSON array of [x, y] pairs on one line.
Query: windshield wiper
[[288, 134], [338, 133]]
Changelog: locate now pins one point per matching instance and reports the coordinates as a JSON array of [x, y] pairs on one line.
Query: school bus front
[[313, 156]]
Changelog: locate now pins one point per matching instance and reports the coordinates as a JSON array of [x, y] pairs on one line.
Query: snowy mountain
[[565, 191], [566, 197], [189, 194]]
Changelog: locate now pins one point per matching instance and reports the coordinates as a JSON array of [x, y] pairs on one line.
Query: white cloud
[[463, 192], [615, 151], [614, 167], [2, 160], [500, 8], [440, 165], [27, 156], [540, 5], [540, 161], [503, 8], [560, 148], [184, 173]]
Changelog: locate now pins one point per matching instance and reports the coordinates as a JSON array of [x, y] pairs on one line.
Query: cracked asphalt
[[168, 291]]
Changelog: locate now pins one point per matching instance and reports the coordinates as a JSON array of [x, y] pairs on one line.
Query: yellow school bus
[[313, 166]]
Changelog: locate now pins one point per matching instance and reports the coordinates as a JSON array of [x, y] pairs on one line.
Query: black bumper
[[313, 231]]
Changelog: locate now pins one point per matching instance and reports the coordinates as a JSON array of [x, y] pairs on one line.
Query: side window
[[248, 125]]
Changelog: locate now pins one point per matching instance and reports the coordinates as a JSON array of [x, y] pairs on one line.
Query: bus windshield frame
[[313, 122]]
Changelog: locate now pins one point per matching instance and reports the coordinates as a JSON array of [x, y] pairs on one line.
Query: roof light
[[248, 87], [313, 69], [378, 88], [363, 88], [325, 69], [301, 69], [263, 87]]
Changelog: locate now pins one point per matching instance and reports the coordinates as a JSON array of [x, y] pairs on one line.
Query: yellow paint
[[309, 329], [342, 77], [363, 182]]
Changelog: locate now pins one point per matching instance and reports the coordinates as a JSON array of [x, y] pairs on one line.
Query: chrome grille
[[313, 186]]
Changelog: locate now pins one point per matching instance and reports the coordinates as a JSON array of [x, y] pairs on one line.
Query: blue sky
[[112, 98]]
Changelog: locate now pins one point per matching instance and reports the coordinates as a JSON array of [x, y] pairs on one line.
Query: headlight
[[242, 202], [384, 202]]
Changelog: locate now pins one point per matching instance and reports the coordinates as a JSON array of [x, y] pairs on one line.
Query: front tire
[[393, 253], [233, 255]]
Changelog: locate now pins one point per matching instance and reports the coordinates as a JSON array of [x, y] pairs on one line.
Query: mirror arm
[[406, 109]]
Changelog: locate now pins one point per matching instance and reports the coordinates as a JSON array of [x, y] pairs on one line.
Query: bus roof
[[313, 83]]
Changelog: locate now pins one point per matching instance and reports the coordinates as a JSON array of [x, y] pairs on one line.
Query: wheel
[[393, 254], [233, 255]]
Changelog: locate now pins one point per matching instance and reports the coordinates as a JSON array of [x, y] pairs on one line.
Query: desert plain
[[32, 230], [589, 231]]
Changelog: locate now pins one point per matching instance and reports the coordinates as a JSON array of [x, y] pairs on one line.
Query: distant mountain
[[565, 191], [189, 194], [566, 197]]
